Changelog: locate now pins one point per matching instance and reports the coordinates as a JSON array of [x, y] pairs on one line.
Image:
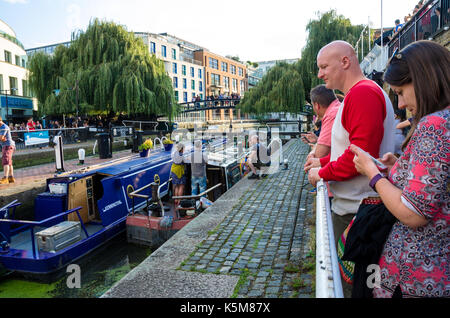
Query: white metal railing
[[328, 278]]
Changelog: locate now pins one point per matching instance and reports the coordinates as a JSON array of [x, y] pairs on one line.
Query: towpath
[[257, 240]]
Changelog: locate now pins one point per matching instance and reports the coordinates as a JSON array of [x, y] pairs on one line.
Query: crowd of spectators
[[396, 216], [428, 25]]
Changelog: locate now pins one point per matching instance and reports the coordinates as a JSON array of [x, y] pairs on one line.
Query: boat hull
[[22, 261]]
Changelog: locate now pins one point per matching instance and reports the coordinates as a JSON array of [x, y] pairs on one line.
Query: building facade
[[187, 74], [16, 102]]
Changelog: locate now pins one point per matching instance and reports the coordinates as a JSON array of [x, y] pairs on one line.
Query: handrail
[[144, 196], [328, 278], [197, 195], [160, 142], [37, 223]]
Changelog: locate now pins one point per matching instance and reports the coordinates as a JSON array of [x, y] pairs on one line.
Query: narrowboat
[[78, 212]]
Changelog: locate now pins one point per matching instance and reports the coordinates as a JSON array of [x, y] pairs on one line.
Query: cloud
[[16, 1]]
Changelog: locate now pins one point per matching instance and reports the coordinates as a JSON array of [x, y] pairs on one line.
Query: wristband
[[374, 180]]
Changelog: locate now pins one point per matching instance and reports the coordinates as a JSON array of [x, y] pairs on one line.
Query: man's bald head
[[339, 49], [338, 65]]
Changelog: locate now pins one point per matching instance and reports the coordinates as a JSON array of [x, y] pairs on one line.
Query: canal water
[[100, 270]]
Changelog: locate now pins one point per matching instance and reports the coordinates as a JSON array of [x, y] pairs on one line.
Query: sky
[[254, 30]]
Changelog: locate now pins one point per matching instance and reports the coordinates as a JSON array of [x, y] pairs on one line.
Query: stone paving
[[266, 238]]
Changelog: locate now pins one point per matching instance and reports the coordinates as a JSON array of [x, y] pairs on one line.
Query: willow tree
[[280, 90], [328, 27], [105, 69]]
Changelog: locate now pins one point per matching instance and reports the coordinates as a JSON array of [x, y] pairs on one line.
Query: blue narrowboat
[[77, 213]]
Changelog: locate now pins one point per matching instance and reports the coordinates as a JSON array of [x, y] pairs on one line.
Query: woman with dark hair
[[415, 258]]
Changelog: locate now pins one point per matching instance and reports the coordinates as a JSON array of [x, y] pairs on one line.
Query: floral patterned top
[[417, 260]]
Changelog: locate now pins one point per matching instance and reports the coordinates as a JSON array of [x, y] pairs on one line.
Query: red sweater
[[362, 117]]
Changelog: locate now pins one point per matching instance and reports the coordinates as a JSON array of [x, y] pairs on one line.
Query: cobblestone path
[[267, 238]]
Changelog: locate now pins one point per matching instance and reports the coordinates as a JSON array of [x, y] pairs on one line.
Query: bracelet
[[374, 180]]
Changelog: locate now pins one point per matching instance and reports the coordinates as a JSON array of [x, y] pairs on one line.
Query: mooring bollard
[[81, 154]]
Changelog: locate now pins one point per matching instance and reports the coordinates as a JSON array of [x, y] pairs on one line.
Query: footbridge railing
[[328, 278]]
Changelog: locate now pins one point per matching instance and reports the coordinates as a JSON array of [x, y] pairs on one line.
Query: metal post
[[382, 26]]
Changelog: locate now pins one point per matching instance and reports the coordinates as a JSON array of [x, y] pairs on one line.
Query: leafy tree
[[105, 69], [280, 90], [285, 86], [328, 27]]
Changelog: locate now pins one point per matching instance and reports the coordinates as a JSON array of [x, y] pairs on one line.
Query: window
[[175, 82], [183, 70], [174, 68], [213, 63], [17, 57], [13, 85], [24, 64], [176, 96], [201, 96], [185, 97], [163, 51], [233, 69], [241, 72], [1, 82], [215, 79], [192, 72], [25, 89], [200, 86], [200, 73], [193, 84], [234, 85], [242, 87], [8, 56], [184, 83], [174, 54], [193, 96], [224, 67], [152, 47], [226, 82]]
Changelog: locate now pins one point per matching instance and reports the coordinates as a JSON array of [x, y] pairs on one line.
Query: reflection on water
[[100, 270]]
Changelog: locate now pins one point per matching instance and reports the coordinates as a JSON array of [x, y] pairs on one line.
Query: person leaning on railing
[[415, 258]]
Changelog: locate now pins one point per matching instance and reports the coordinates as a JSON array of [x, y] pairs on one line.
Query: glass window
[[215, 79], [8, 56], [201, 96], [193, 84], [233, 69], [174, 54], [25, 90], [183, 70], [163, 51], [184, 83], [242, 87], [176, 96], [224, 67], [175, 82], [174, 68], [193, 96], [241, 72], [213, 63], [200, 73], [226, 81], [13, 86], [1, 82], [234, 85], [185, 97], [200, 86], [152, 47], [192, 72], [17, 57], [24, 63]]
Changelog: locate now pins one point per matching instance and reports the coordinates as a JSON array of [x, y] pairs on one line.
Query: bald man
[[365, 118]]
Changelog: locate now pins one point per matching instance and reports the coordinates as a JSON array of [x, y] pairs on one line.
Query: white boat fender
[[166, 221]]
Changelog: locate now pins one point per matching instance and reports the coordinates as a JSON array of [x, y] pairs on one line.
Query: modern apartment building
[[16, 103], [187, 74]]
